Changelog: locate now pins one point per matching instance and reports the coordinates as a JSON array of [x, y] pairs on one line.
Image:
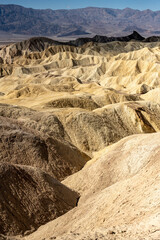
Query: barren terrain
[[79, 140]]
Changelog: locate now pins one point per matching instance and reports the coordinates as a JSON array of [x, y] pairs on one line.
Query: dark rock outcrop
[[30, 198]]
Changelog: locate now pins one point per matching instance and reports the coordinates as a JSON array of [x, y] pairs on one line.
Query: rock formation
[[30, 198], [88, 116], [119, 195]]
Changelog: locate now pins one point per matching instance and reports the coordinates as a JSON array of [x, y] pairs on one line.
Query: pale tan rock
[[122, 66], [61, 106], [125, 196], [92, 131]]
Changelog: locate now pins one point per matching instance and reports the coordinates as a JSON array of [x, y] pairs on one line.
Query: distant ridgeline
[[38, 44], [97, 21]]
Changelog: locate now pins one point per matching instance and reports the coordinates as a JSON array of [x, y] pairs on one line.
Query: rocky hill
[[62, 23], [123, 204], [86, 113], [38, 44], [29, 198]]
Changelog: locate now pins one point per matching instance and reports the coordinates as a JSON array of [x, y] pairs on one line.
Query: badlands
[[79, 139]]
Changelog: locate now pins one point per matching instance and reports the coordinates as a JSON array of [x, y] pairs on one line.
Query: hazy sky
[[69, 4]]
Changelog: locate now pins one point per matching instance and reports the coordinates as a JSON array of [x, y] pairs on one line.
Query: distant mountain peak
[[97, 21], [137, 36]]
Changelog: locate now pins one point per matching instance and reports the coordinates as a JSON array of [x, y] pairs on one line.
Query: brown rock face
[[30, 198], [19, 145]]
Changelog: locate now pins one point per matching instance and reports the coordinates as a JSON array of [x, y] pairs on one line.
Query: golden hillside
[[88, 116]]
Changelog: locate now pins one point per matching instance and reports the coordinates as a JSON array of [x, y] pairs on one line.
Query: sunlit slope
[[129, 67], [119, 195], [73, 112], [88, 89]]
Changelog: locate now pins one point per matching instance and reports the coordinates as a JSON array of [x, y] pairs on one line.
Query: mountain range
[[77, 22]]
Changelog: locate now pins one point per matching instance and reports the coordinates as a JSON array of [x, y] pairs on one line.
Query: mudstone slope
[[79, 140]]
